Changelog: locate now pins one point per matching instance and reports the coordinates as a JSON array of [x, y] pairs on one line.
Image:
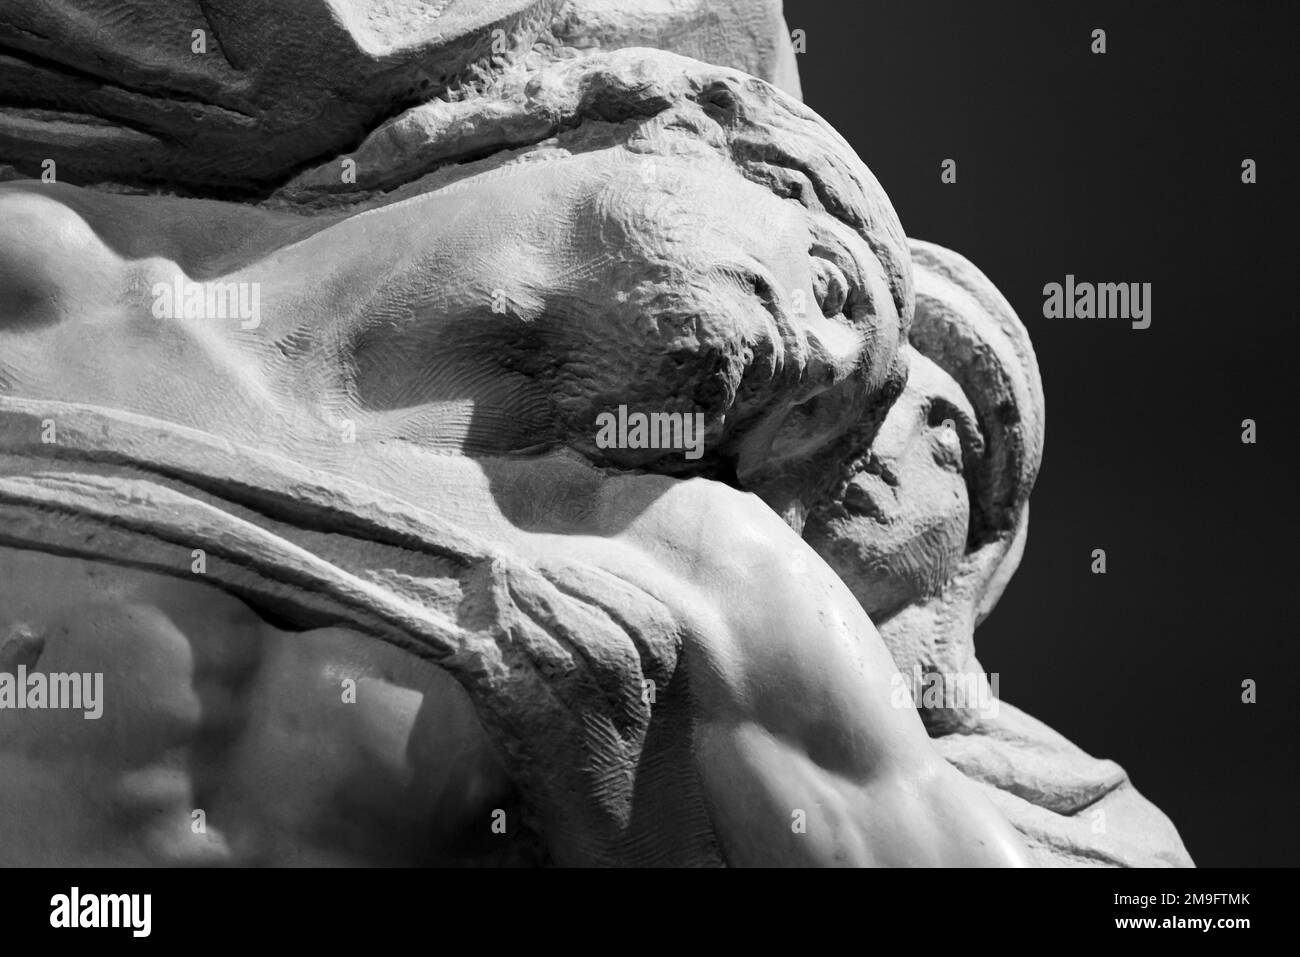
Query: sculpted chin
[[373, 557], [611, 665]]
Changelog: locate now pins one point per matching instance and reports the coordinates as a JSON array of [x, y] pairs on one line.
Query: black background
[[1123, 167]]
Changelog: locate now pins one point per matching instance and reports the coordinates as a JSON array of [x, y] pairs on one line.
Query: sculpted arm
[[805, 755]]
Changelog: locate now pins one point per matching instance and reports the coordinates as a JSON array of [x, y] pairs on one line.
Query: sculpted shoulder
[[718, 536], [776, 614]]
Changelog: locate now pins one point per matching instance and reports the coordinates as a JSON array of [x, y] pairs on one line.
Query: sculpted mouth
[[554, 658]]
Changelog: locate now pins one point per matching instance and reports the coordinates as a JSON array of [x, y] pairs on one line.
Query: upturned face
[[502, 314], [471, 320], [899, 529]]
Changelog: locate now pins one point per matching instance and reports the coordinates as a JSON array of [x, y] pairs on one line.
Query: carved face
[[689, 288], [757, 277], [499, 315], [898, 531]]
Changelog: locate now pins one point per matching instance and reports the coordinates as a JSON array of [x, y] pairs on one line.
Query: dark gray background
[[1123, 167]]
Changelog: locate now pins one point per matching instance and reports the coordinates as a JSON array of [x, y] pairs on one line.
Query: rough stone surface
[[391, 474], [114, 90], [1073, 810]]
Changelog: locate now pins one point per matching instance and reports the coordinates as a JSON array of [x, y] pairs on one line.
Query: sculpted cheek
[[898, 541]]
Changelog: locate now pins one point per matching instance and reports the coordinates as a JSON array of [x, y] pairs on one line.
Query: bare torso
[[791, 745], [225, 740], [799, 753]]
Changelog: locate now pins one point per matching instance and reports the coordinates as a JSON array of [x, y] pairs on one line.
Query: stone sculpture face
[[537, 292], [388, 469], [897, 533]]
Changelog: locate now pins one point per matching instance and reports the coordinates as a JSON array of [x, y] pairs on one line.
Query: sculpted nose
[[896, 433], [869, 495]]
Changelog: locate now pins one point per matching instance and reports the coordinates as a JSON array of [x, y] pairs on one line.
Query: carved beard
[[888, 565]]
